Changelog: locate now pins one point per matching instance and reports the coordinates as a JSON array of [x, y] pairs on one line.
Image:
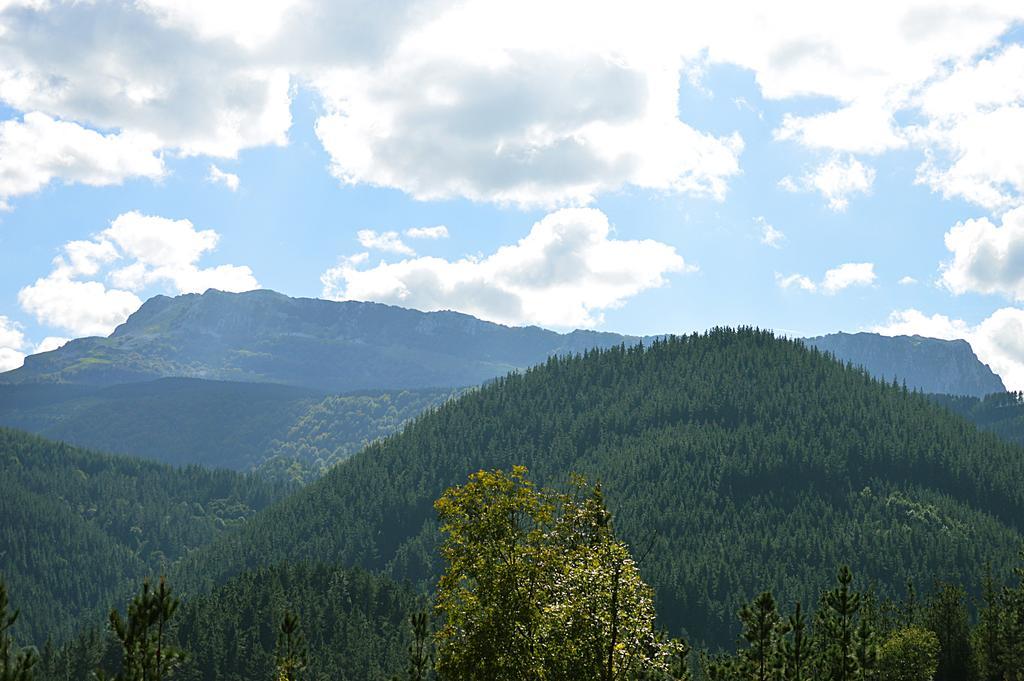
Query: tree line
[[537, 586]]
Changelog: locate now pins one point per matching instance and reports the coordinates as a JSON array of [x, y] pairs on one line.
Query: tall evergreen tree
[[15, 665], [947, 616], [761, 630], [292, 654], [146, 652], [796, 647]]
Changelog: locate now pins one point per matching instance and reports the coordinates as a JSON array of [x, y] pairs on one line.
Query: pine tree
[[946, 615], [292, 654], [419, 649], [14, 665], [796, 649], [760, 631], [146, 654], [836, 622]]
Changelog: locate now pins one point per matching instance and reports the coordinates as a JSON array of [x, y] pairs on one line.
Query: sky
[[641, 167]]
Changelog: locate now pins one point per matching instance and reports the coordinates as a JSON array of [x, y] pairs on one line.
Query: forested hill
[[331, 346], [282, 432], [1001, 413], [78, 528], [733, 461], [930, 365]]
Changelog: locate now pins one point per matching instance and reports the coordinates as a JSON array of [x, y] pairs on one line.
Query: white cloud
[[997, 340], [12, 344], [563, 274], [863, 128], [525, 129], [383, 241], [837, 180], [218, 176], [907, 281], [50, 343], [769, 235], [847, 275], [38, 149], [436, 232], [975, 149], [987, 258], [250, 24], [10, 359], [85, 308], [149, 250], [795, 280], [122, 68], [835, 280], [532, 103]]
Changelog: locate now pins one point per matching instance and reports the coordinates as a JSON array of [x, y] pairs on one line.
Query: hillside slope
[[279, 431], [741, 461], [336, 347], [930, 365], [78, 527]]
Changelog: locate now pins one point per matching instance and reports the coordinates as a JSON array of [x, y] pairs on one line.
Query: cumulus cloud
[[436, 232], [136, 251], [795, 281], [524, 129], [383, 241], [769, 235], [563, 274], [847, 275], [997, 340], [529, 103], [907, 281], [50, 343], [837, 180], [972, 136], [38, 149], [218, 176], [12, 344], [986, 258], [835, 280], [862, 128]]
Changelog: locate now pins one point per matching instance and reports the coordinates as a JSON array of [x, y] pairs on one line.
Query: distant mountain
[[280, 431], [264, 336], [733, 461], [927, 364]]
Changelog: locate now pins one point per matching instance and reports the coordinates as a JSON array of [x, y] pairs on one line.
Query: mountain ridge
[[931, 365], [340, 347], [264, 336]]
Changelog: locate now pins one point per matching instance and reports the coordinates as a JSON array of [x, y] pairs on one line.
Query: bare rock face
[[927, 364]]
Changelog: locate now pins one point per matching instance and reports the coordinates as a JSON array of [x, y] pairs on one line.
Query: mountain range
[[731, 460], [341, 347], [931, 365]]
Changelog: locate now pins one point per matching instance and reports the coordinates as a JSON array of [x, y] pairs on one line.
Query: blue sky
[[662, 170]]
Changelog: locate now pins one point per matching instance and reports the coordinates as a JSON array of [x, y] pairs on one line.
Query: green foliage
[[291, 655], [910, 654], [283, 432], [420, 666], [1000, 413], [80, 529], [15, 665], [354, 625], [754, 462], [146, 654], [537, 586], [946, 615]]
